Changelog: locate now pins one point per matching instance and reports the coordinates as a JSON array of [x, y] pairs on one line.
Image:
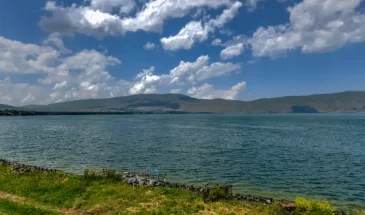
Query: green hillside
[[336, 102], [2, 106]]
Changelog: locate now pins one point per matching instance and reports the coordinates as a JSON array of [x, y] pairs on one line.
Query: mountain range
[[335, 102]]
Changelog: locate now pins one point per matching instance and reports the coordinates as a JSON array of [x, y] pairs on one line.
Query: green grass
[[12, 208], [55, 189], [54, 193]]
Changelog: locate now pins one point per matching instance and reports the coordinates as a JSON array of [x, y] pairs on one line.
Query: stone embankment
[[137, 179], [22, 168]]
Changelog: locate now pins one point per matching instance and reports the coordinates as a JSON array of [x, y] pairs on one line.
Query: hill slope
[[336, 102], [2, 106]]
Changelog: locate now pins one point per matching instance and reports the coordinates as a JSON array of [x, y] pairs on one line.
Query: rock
[[159, 183], [151, 182], [132, 181], [141, 180]]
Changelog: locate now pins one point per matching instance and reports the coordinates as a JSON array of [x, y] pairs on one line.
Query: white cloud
[[185, 39], [25, 58], [19, 93], [64, 77], [147, 82], [252, 4], [97, 19], [208, 91], [157, 11], [55, 40], [149, 46], [84, 74], [200, 12], [145, 72], [233, 48], [217, 42], [176, 91], [83, 19], [196, 31], [186, 73], [226, 32], [315, 26], [107, 6], [200, 70], [60, 85], [227, 15], [232, 51]]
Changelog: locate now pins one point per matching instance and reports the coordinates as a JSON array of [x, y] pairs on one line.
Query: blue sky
[[53, 51]]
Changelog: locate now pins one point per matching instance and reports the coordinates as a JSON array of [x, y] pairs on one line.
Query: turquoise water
[[320, 156]]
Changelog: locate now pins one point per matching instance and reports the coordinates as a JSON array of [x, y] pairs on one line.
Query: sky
[[55, 51]]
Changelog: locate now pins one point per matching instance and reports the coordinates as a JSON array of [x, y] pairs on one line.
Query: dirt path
[[28, 202], [11, 197]]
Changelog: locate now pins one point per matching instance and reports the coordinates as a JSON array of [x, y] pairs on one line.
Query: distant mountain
[[336, 102], [164, 101], [2, 106], [31, 107]]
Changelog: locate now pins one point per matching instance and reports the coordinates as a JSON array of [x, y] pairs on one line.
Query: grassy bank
[[57, 193]]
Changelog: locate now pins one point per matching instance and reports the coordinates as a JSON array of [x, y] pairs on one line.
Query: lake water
[[321, 156]]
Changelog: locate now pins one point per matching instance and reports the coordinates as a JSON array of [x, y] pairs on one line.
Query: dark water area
[[283, 156]]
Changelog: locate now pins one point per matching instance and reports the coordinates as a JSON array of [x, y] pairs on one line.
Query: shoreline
[[2, 114], [140, 179]]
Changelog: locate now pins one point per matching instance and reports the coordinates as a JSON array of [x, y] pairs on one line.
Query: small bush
[[200, 207], [313, 207], [215, 194], [109, 175]]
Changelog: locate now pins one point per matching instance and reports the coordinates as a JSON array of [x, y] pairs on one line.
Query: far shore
[[81, 113]]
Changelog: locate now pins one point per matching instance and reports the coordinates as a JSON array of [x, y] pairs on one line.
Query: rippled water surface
[[280, 155]]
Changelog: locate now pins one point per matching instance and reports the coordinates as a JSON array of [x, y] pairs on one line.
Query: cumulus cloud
[[19, 93], [227, 15], [207, 91], [107, 6], [146, 83], [26, 58], [55, 39], [217, 42], [185, 39], [315, 26], [96, 18], [176, 91], [252, 4], [197, 31], [64, 77], [200, 70], [83, 19], [149, 46], [232, 51], [233, 48], [83, 76], [186, 73], [60, 85], [152, 17], [68, 76]]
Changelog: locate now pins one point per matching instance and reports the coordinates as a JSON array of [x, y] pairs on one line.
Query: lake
[[284, 155]]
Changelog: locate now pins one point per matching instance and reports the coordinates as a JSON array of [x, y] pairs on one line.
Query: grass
[[57, 193], [13, 208]]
